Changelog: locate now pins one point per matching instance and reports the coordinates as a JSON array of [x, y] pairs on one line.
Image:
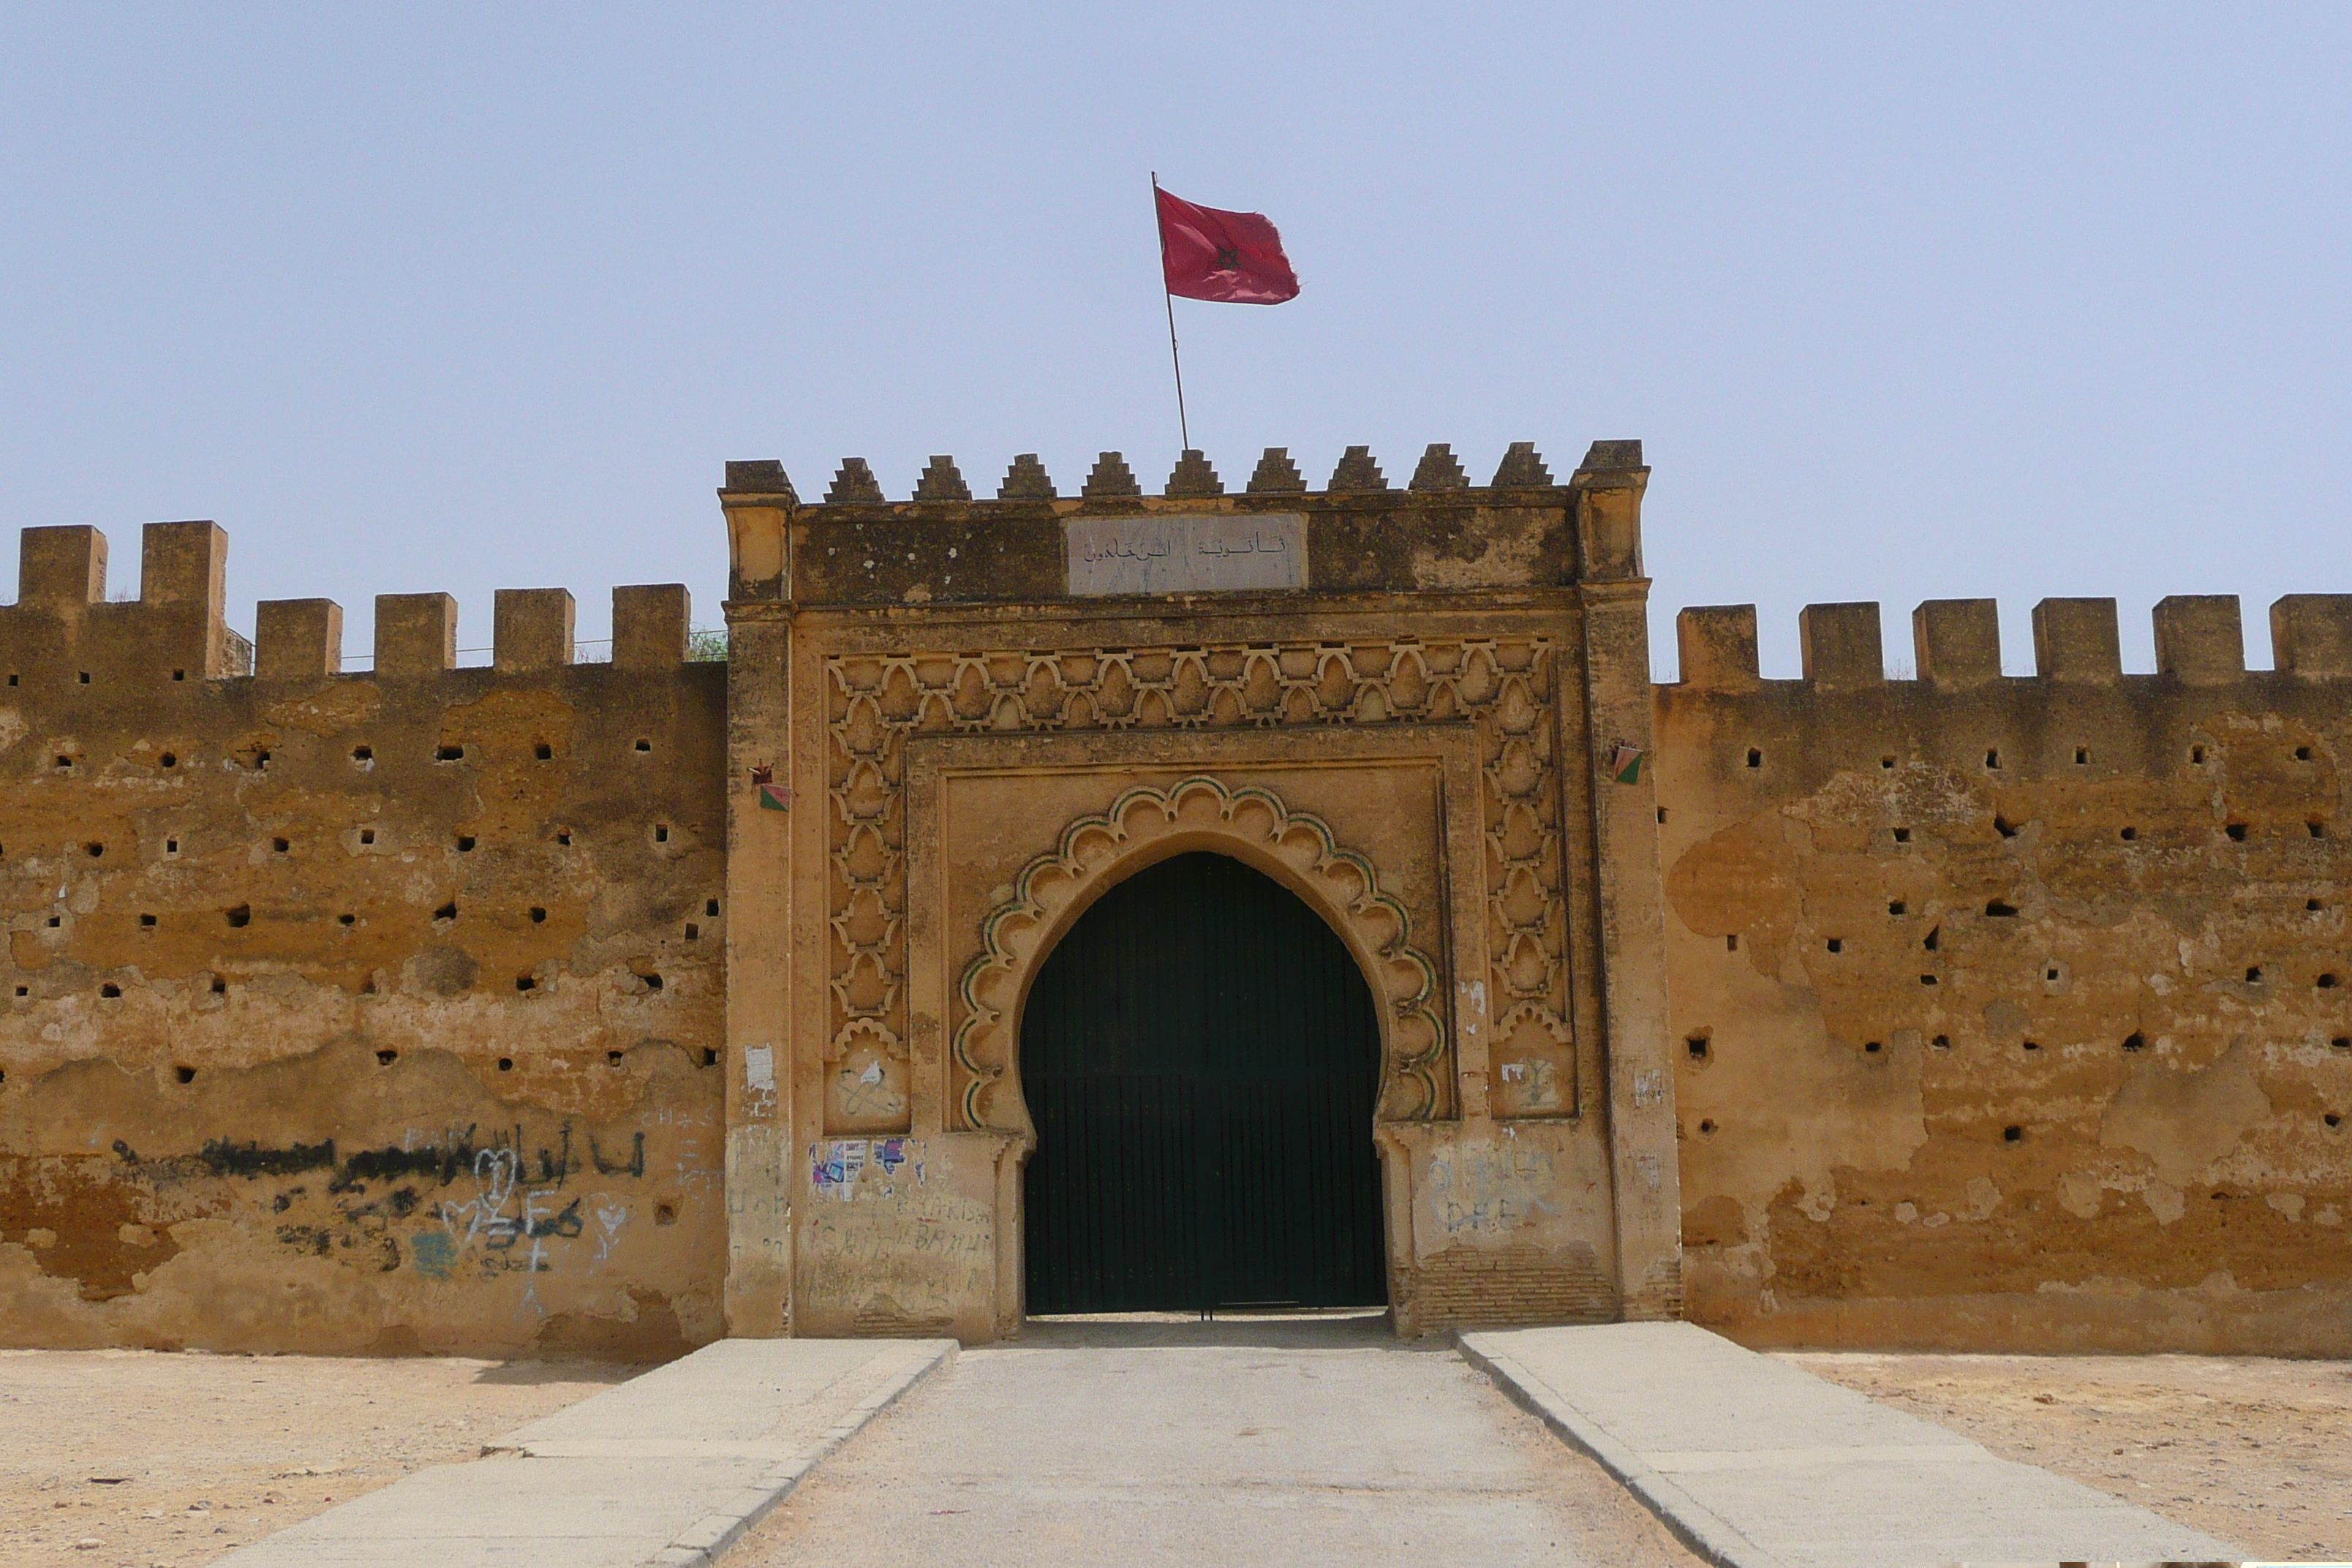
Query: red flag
[[1234, 259]]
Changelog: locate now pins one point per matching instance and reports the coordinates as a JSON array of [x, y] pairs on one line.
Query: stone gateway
[[992, 714], [1198, 900]]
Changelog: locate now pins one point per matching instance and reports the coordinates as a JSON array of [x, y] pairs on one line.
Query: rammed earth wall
[[618, 1006], [2012, 1012], [355, 1011]]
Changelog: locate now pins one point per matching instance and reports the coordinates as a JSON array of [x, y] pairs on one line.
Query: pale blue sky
[[1908, 303]]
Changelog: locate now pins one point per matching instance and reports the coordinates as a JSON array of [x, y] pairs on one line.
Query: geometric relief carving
[[1503, 685], [1415, 1078]]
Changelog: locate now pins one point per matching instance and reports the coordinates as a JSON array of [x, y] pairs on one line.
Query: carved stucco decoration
[[1503, 685], [1253, 821]]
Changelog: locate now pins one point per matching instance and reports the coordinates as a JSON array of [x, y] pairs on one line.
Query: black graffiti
[[444, 1162], [224, 1158], [634, 1166], [311, 1239], [437, 1164], [552, 1169]]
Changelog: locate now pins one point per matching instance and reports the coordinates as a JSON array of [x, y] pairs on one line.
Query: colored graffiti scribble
[[436, 1253], [506, 1207]]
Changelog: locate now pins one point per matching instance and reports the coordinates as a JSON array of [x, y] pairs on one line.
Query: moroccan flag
[[1234, 259]]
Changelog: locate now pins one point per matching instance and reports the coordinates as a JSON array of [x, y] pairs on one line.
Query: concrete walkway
[[1292, 1442], [1756, 1464], [669, 1469]]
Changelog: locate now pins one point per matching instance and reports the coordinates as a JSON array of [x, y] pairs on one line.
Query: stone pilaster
[[760, 903], [1627, 895]]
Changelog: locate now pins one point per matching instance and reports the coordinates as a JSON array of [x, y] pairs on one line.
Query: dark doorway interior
[[1201, 1056]]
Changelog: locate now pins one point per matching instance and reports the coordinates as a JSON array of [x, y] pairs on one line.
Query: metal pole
[[1184, 429]]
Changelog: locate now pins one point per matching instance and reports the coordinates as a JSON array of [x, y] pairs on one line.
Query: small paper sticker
[[1625, 763], [760, 1069]]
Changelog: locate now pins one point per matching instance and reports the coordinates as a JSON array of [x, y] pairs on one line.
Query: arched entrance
[[1202, 1057]]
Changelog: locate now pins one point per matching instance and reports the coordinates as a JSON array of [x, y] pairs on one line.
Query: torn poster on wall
[[834, 1166]]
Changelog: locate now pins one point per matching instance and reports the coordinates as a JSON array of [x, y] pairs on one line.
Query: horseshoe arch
[[1143, 826]]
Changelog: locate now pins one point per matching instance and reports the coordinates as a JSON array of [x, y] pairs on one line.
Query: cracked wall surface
[[2012, 1013], [369, 1012]]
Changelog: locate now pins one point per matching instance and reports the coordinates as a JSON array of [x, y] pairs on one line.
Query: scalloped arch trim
[[1343, 882]]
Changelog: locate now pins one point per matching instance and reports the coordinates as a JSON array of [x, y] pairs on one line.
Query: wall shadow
[[1333, 1329]]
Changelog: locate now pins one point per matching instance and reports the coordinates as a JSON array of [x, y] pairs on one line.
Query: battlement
[[2079, 722], [63, 623], [1439, 530], [2199, 641], [1193, 477]]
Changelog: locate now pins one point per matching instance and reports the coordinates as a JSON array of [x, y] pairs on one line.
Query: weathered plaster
[[375, 1012], [614, 1007], [2009, 1011]]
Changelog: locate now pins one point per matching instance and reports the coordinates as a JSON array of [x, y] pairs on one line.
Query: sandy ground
[[138, 1457], [2253, 1450]]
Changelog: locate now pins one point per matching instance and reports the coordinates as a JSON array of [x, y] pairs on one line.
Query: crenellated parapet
[[1437, 533], [177, 630], [1961, 704], [2199, 641], [176, 627]]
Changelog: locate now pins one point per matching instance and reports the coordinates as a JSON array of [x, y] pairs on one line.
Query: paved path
[[668, 1469], [1290, 1441], [1295, 1443], [1760, 1465]]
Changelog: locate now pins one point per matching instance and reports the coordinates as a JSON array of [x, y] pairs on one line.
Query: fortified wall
[[2011, 1013], [370, 1011], [617, 1005]]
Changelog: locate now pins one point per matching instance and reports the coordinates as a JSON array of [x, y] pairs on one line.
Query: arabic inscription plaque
[[1184, 553]]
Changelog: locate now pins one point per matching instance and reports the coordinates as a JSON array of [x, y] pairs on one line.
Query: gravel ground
[[2255, 1450], [141, 1457]]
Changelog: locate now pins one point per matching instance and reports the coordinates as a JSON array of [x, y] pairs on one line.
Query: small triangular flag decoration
[[1625, 763], [772, 796], [1233, 259]]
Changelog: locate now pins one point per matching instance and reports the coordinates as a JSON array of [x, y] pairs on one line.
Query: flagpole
[[1184, 429]]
